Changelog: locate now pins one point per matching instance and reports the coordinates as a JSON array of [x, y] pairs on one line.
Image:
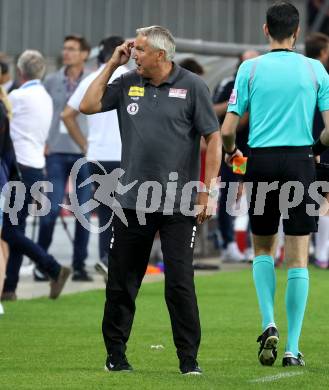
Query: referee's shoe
[[290, 360], [268, 340]]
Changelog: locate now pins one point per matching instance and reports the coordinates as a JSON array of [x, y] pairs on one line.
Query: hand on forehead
[[130, 43], [141, 41]]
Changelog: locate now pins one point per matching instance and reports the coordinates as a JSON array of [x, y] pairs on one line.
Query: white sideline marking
[[273, 378]]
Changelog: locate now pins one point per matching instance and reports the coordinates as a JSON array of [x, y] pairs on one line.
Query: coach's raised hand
[[122, 54], [92, 101]]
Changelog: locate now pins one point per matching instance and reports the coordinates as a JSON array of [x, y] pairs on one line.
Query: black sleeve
[[111, 98], [222, 92]]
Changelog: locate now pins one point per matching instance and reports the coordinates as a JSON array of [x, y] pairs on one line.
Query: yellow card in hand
[[240, 165]]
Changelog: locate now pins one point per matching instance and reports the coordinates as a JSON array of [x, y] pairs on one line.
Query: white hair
[[160, 38], [31, 64]]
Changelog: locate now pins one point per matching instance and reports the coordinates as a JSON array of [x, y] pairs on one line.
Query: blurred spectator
[[5, 78], [32, 111], [6, 155], [192, 65], [104, 143], [314, 7], [4, 98], [62, 151], [317, 46], [5, 148], [221, 96]]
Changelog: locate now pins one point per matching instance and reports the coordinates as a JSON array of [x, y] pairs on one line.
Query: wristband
[[213, 192], [231, 153], [318, 147]]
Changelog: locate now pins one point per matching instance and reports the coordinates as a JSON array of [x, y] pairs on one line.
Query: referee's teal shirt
[[280, 90]]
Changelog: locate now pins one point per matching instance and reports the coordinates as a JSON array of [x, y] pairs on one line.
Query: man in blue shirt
[[62, 153], [281, 90]]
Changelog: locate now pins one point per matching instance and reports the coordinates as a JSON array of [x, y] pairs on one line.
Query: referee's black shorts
[[282, 165]]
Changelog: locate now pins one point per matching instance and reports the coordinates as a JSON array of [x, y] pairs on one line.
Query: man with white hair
[[29, 127], [163, 111]]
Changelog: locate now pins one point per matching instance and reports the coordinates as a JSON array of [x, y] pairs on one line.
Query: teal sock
[[265, 282], [296, 297]]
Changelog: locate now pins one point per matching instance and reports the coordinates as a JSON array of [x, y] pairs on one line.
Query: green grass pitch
[[58, 344]]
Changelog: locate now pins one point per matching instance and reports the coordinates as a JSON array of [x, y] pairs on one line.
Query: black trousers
[[104, 212], [128, 258]]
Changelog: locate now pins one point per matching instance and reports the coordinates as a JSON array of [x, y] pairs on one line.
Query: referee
[[163, 111], [281, 90]]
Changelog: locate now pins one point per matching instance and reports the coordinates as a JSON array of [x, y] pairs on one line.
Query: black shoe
[[117, 362], [81, 275], [268, 346], [39, 276], [8, 296], [57, 285], [189, 366], [290, 360]]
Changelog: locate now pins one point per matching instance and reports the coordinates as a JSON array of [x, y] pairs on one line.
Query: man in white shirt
[[29, 127], [104, 142]]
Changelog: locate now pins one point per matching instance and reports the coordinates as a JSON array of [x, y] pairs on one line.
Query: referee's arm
[[228, 130]]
